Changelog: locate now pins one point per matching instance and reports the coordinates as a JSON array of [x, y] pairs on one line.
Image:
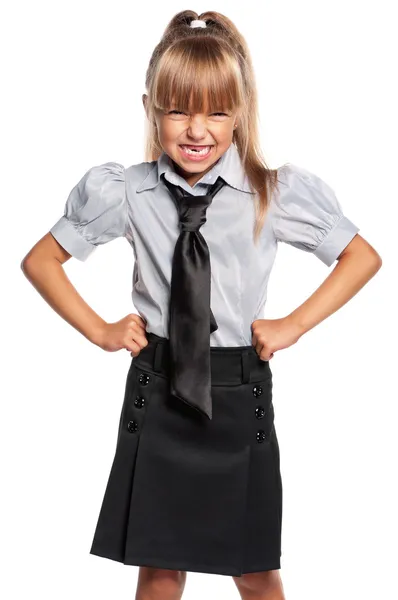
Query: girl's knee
[[259, 583], [161, 583]]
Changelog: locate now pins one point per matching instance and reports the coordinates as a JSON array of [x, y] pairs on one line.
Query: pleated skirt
[[188, 493]]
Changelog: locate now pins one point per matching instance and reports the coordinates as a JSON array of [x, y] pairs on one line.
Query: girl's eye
[[181, 113]]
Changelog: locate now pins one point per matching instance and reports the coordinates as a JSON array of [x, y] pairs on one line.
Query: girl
[[195, 483]]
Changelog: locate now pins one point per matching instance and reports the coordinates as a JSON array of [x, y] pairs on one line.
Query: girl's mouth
[[195, 153]]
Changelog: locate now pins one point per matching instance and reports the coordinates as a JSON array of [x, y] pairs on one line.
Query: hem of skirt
[[161, 563], [268, 567]]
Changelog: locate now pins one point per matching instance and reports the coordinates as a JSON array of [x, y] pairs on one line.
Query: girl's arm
[[357, 264], [307, 215], [43, 268]]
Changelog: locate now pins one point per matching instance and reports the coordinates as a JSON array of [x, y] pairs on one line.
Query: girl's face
[[210, 133]]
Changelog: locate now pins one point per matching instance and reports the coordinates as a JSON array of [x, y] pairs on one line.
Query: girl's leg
[[160, 584], [264, 585]]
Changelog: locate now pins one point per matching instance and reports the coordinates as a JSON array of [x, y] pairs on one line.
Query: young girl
[[195, 483]]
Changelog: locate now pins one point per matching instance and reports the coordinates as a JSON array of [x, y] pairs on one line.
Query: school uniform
[[186, 492]]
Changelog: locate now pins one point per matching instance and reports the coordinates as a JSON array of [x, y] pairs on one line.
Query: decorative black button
[[260, 436], [144, 379], [260, 412], [139, 401], [257, 390], [132, 426]]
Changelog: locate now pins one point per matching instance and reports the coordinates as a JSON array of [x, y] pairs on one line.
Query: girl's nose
[[197, 128]]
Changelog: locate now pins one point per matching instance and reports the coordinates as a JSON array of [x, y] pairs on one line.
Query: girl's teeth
[[202, 151]]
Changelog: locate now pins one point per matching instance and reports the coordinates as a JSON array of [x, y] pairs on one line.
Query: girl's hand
[[270, 335], [128, 333]]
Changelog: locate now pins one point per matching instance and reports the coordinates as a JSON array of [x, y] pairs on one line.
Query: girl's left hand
[[270, 335]]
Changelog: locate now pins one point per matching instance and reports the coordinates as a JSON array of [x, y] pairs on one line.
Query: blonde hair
[[214, 58]]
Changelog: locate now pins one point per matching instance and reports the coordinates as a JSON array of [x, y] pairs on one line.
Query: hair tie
[[198, 23]]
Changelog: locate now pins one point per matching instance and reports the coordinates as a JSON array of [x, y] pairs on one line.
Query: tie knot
[[192, 209]]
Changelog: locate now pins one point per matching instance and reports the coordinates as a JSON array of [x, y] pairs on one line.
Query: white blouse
[[112, 201]]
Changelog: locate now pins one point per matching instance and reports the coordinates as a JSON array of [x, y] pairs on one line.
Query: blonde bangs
[[197, 76]]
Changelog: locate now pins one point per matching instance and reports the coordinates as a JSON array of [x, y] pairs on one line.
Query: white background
[[72, 78]]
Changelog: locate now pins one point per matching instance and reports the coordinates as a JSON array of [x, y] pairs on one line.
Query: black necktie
[[190, 317]]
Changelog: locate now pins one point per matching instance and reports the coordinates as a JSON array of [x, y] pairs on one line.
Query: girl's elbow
[[371, 263], [375, 261]]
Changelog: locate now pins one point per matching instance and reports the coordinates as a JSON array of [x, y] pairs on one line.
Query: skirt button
[[257, 390], [139, 402], [260, 412], [260, 435], [144, 379], [132, 426]]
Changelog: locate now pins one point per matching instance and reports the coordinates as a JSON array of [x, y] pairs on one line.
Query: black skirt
[[186, 492]]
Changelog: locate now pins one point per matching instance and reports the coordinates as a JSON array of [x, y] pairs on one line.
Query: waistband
[[230, 365]]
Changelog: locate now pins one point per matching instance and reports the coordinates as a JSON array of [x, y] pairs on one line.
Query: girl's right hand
[[128, 333]]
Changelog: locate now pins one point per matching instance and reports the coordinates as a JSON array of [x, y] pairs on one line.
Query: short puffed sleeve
[[307, 214], [95, 211]]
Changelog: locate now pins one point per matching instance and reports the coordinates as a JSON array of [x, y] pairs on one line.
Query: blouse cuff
[[336, 240], [69, 238]]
